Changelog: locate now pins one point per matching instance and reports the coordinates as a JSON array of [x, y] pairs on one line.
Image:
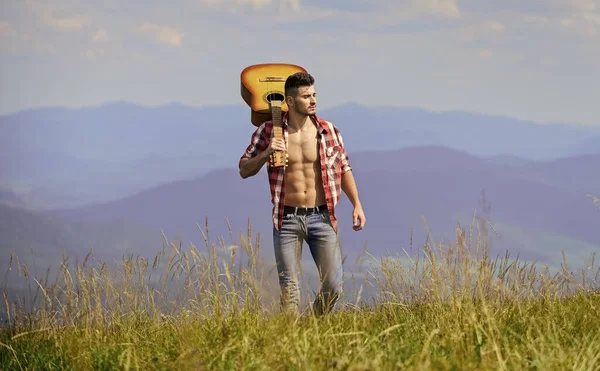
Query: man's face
[[305, 102]]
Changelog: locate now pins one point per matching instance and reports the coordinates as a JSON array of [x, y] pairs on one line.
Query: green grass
[[450, 307]]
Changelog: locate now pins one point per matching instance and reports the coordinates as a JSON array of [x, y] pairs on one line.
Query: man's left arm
[[350, 189]]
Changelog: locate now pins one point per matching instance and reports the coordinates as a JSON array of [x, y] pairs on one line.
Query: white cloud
[[162, 34], [571, 16], [594, 18], [94, 53], [493, 27], [13, 41], [233, 4], [10, 40], [583, 5], [255, 3], [365, 12], [7, 31], [387, 13], [73, 23], [100, 36], [576, 16], [295, 4], [537, 19], [486, 54], [443, 8], [57, 19], [481, 30], [584, 17], [585, 25], [241, 6]]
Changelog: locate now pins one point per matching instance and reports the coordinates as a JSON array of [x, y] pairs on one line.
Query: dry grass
[[447, 307]]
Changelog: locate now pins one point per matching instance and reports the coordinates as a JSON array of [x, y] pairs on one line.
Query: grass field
[[448, 307]]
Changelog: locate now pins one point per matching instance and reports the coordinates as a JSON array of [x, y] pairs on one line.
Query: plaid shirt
[[334, 163]]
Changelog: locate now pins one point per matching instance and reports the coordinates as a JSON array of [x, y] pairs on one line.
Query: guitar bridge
[[272, 79]]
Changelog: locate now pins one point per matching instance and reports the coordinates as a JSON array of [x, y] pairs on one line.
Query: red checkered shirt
[[334, 163]]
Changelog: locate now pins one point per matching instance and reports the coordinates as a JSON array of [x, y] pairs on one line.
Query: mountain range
[[115, 176], [398, 189], [57, 157]]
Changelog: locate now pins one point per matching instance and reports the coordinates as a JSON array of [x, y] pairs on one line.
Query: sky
[[537, 60]]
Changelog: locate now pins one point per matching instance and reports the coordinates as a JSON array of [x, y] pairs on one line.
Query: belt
[[304, 210]]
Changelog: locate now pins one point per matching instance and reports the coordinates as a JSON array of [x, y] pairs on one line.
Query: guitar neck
[[277, 122], [278, 158]]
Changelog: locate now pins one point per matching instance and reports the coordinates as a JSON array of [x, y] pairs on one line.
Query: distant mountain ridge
[[443, 185], [9, 198], [59, 157], [537, 209], [38, 241]]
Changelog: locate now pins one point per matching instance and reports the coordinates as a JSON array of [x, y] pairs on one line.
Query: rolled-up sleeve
[[345, 159], [258, 143]]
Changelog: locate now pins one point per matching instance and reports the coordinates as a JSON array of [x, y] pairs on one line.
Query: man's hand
[[358, 218], [276, 144]]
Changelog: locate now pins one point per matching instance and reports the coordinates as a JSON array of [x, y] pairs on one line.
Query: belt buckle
[[305, 210]]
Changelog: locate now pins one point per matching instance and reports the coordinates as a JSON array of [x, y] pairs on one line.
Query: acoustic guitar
[[262, 88]]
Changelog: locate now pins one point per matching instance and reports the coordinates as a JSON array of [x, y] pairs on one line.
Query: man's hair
[[293, 82]]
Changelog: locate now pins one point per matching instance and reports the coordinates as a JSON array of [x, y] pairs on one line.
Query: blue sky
[[531, 59]]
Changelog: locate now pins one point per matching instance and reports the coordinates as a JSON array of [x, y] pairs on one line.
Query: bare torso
[[304, 184]]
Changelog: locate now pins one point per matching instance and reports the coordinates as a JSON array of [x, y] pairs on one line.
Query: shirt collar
[[322, 125]]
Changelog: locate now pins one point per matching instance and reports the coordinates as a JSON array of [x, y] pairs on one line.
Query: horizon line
[[327, 108]]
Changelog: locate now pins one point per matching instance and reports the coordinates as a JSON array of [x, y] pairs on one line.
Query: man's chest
[[303, 147]]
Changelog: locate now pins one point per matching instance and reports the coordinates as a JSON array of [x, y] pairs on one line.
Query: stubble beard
[[304, 113]]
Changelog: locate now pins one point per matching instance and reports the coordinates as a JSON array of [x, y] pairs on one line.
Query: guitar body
[[261, 83], [263, 90]]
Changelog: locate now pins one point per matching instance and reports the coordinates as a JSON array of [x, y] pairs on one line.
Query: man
[[305, 193]]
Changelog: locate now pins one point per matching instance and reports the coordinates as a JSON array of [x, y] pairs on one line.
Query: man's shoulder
[[330, 126], [327, 123], [264, 126]]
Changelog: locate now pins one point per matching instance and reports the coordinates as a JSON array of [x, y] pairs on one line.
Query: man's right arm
[[256, 154], [251, 166]]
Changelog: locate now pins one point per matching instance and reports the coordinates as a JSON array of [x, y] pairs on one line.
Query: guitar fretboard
[[277, 124]]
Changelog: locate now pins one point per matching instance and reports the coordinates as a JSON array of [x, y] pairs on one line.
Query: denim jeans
[[317, 231]]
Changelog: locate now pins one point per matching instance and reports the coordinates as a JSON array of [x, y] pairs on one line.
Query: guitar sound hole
[[275, 96]]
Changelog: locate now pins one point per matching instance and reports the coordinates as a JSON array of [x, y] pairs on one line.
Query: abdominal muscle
[[304, 187], [303, 181]]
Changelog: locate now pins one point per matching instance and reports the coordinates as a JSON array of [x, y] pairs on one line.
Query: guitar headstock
[[278, 159]]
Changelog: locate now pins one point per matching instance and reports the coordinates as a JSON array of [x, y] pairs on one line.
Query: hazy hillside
[[397, 189], [477, 134], [535, 211], [588, 146], [38, 241], [10, 198], [57, 157], [580, 173]]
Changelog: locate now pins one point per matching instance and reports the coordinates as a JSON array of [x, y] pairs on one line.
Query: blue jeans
[[316, 229]]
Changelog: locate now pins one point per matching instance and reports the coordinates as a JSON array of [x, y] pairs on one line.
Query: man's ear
[[289, 100]]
